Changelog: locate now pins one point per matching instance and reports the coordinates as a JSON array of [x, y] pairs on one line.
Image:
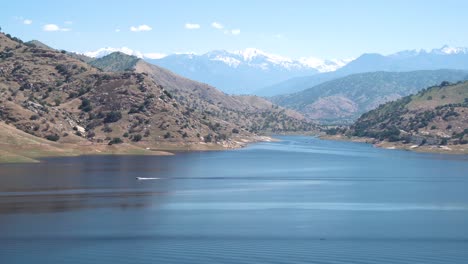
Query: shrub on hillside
[[115, 141], [53, 137], [136, 138], [112, 117]]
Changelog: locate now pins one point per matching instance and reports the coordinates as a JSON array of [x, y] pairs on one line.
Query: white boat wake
[[143, 179]]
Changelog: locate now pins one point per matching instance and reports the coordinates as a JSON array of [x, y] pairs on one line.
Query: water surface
[[301, 200]]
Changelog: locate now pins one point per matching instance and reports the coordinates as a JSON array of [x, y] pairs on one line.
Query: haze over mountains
[[252, 71], [409, 60], [237, 72]]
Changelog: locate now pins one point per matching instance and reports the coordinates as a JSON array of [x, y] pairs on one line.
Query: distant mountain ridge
[[345, 99], [253, 71], [445, 57], [234, 72]]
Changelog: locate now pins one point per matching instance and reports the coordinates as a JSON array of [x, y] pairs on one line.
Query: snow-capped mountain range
[[250, 56], [235, 72], [248, 70]]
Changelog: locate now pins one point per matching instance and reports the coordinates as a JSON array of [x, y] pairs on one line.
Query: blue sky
[[323, 29]]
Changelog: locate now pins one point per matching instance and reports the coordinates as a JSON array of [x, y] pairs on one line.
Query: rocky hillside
[[435, 116], [251, 113], [53, 95], [345, 99]]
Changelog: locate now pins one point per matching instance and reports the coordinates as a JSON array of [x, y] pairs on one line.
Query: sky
[[294, 28]]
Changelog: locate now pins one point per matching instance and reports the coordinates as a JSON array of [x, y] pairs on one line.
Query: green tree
[[115, 141], [136, 138], [112, 117]]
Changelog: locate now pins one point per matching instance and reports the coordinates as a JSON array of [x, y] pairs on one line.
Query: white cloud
[[51, 27], [68, 22], [140, 28], [192, 26], [27, 21], [54, 27], [235, 31], [217, 25], [117, 30], [154, 55]]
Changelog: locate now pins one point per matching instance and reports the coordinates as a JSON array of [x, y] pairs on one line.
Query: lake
[[301, 200]]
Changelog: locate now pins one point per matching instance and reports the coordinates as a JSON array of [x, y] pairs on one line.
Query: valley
[[234, 132], [119, 103]]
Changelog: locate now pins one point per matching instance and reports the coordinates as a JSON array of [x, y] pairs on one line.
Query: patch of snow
[[450, 50], [228, 60], [250, 56], [324, 65]]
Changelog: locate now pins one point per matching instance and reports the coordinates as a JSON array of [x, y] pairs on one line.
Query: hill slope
[[115, 62], [437, 116], [345, 99], [51, 95], [254, 115]]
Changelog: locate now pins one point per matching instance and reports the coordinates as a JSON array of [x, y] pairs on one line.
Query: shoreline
[[33, 153], [438, 149]]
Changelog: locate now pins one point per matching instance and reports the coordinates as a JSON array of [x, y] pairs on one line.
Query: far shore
[[448, 149]]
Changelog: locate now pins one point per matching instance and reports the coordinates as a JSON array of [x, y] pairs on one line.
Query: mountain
[[115, 62], [409, 60], [37, 44], [251, 113], [238, 72], [443, 58], [234, 73], [346, 98], [52, 95], [437, 115]]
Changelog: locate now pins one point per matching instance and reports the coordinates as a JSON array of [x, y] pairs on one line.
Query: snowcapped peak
[[215, 53], [324, 65], [452, 50], [249, 57], [250, 54], [253, 57], [448, 50], [228, 60]]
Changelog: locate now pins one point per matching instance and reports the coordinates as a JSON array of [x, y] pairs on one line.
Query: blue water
[[301, 200]]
